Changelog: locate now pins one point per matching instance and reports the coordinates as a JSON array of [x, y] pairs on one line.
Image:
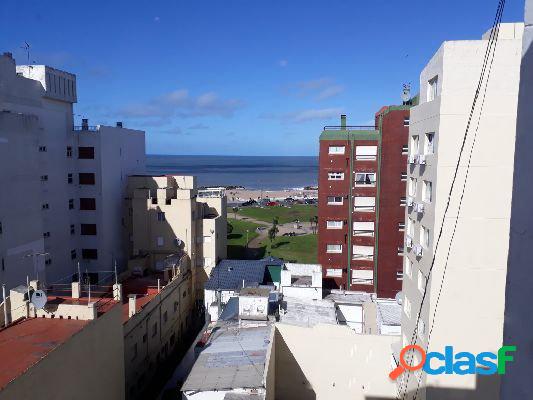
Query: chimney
[[343, 121], [119, 124], [85, 124], [132, 304], [8, 54]]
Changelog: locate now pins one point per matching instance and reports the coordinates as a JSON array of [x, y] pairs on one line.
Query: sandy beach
[[238, 195]]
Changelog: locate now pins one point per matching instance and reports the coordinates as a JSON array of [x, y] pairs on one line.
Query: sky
[[239, 77]]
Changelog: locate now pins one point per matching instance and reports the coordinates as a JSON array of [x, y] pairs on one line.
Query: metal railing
[[89, 128], [350, 128]]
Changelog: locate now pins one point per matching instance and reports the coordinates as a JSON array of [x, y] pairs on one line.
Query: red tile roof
[[26, 342], [144, 287]]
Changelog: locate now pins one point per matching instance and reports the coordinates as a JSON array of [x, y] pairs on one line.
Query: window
[[363, 228], [365, 179], [421, 328], [412, 187], [44, 178], [72, 229], [165, 316], [335, 200], [89, 254], [71, 204], [334, 224], [69, 178], [154, 330], [363, 252], [86, 178], [48, 261], [433, 88], [161, 216], [42, 149], [410, 227], [407, 307], [160, 241], [403, 176], [86, 153], [429, 143], [364, 204], [421, 281], [401, 250], [399, 275], [207, 261], [206, 239], [335, 176], [334, 272], [403, 201], [408, 265], [69, 151], [175, 306], [144, 338], [426, 191], [45, 206], [334, 248], [88, 229], [405, 149], [366, 153], [414, 145], [336, 149], [405, 121], [134, 351], [46, 234], [362, 277], [72, 254], [401, 226], [424, 236], [87, 203]]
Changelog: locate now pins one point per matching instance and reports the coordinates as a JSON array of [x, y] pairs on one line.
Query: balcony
[[410, 201], [418, 207], [418, 250], [412, 158], [408, 241], [422, 159]]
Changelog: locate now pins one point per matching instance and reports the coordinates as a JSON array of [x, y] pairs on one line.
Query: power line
[[489, 53]]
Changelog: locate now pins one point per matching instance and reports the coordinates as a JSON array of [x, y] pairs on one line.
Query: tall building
[[63, 186], [470, 299], [361, 205]]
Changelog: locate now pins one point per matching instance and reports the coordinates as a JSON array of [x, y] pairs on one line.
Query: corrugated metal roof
[[388, 313], [234, 358], [229, 274]]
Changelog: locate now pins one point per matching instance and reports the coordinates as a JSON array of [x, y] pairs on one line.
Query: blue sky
[[239, 77]]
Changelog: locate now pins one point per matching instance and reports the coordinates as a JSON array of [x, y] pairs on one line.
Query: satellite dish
[[399, 298], [406, 93], [38, 299]]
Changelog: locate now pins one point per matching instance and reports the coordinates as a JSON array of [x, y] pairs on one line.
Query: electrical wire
[[489, 54]]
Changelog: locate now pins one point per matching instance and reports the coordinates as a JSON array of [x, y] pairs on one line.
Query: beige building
[[471, 304], [168, 215]]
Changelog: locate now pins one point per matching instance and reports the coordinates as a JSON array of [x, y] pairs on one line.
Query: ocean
[[252, 172]]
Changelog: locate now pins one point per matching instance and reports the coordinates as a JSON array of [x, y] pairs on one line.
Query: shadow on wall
[[292, 384], [487, 388]]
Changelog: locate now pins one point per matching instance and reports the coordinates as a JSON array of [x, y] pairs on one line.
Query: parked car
[[248, 203], [272, 204], [289, 234]]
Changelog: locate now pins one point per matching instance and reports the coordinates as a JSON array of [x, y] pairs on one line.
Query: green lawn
[[301, 249], [302, 212], [237, 237]]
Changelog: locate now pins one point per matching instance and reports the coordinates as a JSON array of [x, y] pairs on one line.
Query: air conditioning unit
[[408, 241], [418, 250], [422, 159], [412, 159], [419, 207], [410, 201]]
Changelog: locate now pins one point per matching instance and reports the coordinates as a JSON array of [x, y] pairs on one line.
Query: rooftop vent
[[119, 124], [343, 121], [85, 124]]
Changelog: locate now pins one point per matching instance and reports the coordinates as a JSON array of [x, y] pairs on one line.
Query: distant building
[[301, 280], [361, 205], [168, 215], [471, 302], [63, 185]]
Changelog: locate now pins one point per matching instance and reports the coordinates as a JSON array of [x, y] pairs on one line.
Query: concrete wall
[[90, 365], [476, 268], [518, 322]]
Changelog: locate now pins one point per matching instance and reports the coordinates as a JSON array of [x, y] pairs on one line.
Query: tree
[[272, 232], [275, 221], [230, 228], [235, 209], [314, 223]]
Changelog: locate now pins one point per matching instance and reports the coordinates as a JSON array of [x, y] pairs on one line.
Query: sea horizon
[[250, 172]]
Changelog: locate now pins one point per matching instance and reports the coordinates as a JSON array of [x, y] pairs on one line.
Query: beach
[[241, 195]]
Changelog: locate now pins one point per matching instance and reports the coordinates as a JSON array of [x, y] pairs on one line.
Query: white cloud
[[317, 89], [283, 63]]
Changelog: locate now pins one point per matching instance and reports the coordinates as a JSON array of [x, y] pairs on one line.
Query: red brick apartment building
[[361, 203]]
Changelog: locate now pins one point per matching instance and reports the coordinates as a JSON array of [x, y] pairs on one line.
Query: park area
[[294, 242]]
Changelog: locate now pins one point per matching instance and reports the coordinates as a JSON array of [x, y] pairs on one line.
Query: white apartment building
[[61, 186], [471, 305]]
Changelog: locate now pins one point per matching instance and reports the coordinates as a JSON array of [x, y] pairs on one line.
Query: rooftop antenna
[[39, 299], [406, 93], [26, 47]]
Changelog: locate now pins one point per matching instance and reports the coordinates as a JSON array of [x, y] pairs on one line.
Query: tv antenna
[[406, 93], [39, 299], [26, 47]]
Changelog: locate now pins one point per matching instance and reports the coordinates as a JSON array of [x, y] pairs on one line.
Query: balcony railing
[[87, 128], [350, 128]]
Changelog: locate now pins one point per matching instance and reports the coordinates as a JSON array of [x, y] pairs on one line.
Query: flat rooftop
[[307, 312], [234, 358], [24, 343], [348, 297], [144, 287]]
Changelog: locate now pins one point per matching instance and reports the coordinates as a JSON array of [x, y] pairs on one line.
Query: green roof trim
[[350, 135]]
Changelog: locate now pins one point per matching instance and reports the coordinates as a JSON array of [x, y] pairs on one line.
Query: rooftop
[[388, 313], [255, 291], [145, 289], [26, 342], [230, 274], [233, 358], [348, 297], [307, 312]]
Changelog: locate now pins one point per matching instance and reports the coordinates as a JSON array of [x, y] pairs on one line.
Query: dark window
[[89, 254], [48, 261], [44, 178], [144, 338], [46, 234], [69, 178], [86, 178], [42, 149], [165, 316], [73, 254], [1, 229], [72, 229], [86, 153], [154, 330], [87, 203], [161, 216], [88, 229], [71, 204], [69, 151], [3, 265], [46, 206]]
